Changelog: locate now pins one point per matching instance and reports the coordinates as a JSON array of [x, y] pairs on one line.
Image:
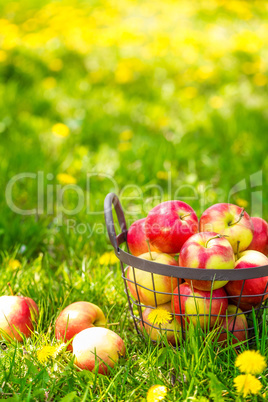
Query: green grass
[[149, 91], [199, 367]]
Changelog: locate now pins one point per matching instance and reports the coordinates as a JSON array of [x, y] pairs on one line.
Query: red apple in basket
[[77, 317], [137, 240], [236, 323], [144, 280], [193, 301], [228, 220], [169, 225], [207, 250], [159, 322], [98, 349], [256, 286], [260, 236], [17, 316]]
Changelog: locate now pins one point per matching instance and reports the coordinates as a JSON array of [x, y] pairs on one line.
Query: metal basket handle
[[112, 200]]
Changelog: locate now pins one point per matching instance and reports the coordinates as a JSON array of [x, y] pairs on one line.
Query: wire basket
[[177, 274]]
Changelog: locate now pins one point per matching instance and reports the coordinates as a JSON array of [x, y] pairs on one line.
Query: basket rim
[[191, 273], [153, 267]]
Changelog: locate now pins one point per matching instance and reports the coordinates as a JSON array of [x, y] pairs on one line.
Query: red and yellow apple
[[207, 250], [228, 220], [256, 286], [169, 225], [17, 316], [77, 317], [236, 323], [137, 240], [260, 236], [138, 280], [159, 322], [98, 349], [194, 305]]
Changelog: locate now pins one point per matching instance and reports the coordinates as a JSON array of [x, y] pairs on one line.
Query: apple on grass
[[207, 250], [160, 322], [137, 240], [228, 220], [260, 236], [194, 305], [77, 317], [17, 317], [252, 287], [138, 280], [236, 323], [98, 349], [169, 225]]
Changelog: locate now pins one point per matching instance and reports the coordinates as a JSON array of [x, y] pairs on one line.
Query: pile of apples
[[225, 237], [81, 326]]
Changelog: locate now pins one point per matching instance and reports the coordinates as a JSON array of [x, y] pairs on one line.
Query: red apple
[[207, 250], [77, 317], [193, 302], [228, 220], [17, 315], [97, 349], [144, 280], [136, 238], [236, 323], [260, 236], [257, 286], [170, 224], [156, 326]]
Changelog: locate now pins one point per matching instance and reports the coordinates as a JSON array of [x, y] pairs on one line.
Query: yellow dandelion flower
[[260, 80], [162, 175], [247, 384], [14, 264], [156, 393], [108, 258], [124, 146], [216, 102], [204, 72], [3, 56], [126, 135], [241, 202], [162, 121], [60, 130], [55, 64], [159, 316], [44, 354], [251, 362], [65, 178], [123, 74], [49, 83], [190, 92]]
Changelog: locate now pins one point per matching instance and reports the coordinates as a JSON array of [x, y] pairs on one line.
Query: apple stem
[[112, 323], [184, 216], [10, 289], [239, 219], [237, 249], [149, 248], [215, 237]]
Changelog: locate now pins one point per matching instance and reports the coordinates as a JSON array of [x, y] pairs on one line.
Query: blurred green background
[[140, 93]]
